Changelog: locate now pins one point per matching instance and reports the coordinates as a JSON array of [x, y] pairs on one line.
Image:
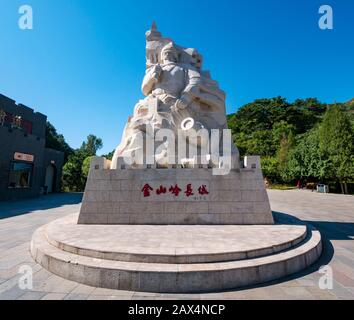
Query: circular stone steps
[[208, 258], [172, 244]]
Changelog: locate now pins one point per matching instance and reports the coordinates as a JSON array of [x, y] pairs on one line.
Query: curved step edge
[[174, 278]]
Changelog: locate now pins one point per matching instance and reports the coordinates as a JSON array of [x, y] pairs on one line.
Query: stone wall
[[130, 196]]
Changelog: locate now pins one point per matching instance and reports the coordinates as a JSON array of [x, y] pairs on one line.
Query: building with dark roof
[[27, 167]]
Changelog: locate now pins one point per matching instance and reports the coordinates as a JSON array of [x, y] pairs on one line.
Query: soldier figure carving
[[175, 89]]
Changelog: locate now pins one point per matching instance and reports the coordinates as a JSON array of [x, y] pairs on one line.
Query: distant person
[[299, 185]]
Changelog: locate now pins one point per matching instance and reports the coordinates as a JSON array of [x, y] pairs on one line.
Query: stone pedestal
[[175, 259], [175, 196]]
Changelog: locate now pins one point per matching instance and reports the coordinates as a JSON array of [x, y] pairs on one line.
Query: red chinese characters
[[146, 190], [175, 190], [161, 190], [203, 190], [189, 191]]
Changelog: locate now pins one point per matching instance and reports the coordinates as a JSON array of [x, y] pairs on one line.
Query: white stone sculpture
[[204, 187], [177, 92]]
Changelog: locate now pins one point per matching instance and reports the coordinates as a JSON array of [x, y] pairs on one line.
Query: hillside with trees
[[305, 140]]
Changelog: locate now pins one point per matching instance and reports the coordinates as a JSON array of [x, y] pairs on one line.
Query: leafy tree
[[283, 154], [282, 130], [57, 141], [75, 170], [73, 178], [259, 142], [109, 156], [283, 140], [270, 168], [85, 168], [306, 159], [336, 141], [92, 145]]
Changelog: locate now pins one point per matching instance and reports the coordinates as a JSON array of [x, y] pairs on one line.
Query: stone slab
[[145, 196]]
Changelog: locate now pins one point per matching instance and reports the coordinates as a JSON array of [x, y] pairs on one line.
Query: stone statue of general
[[175, 89]]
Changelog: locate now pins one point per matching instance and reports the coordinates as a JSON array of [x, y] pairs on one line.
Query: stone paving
[[332, 214]]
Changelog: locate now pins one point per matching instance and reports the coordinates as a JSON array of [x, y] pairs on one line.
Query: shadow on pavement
[[334, 230], [10, 209]]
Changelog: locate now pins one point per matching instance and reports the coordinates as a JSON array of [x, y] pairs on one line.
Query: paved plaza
[[332, 214]]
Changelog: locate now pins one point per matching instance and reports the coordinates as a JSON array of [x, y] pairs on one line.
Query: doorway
[[49, 179]]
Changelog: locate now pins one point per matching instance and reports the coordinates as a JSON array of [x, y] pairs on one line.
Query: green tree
[[283, 140], [259, 142], [85, 168], [109, 156], [73, 178], [75, 170], [283, 155], [57, 141], [282, 130], [270, 168], [91, 145], [306, 160], [336, 141]]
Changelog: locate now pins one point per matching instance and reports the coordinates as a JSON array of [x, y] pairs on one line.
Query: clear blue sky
[[83, 63]]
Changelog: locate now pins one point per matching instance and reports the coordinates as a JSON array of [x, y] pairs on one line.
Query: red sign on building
[[24, 157]]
